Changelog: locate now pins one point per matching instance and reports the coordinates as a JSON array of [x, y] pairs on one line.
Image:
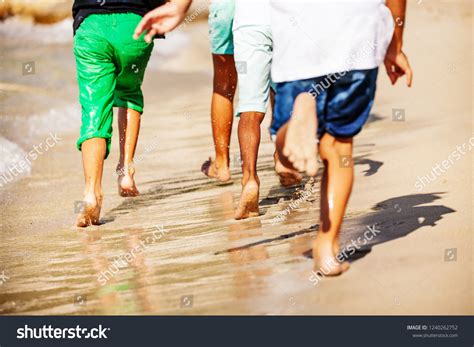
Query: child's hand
[[160, 21], [397, 65]]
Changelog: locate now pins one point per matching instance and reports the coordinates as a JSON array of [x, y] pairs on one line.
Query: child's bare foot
[[127, 187], [288, 177], [248, 203], [324, 256], [90, 214], [210, 169], [300, 142], [126, 182]]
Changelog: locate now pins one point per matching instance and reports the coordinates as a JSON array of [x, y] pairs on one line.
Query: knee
[[225, 85], [332, 148], [225, 76], [225, 89], [327, 149]]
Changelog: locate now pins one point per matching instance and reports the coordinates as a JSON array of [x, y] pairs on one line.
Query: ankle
[[322, 240], [89, 190], [250, 179], [221, 163], [99, 194], [125, 169], [90, 198]]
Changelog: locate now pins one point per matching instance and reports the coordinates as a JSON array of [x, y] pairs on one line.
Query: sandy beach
[[191, 256]]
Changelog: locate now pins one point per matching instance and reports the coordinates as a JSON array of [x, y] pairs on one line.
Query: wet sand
[[179, 249]]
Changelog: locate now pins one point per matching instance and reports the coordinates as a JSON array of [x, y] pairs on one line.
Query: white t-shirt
[[313, 38], [251, 12]]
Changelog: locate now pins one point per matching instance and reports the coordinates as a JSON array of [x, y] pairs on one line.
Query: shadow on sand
[[393, 218]]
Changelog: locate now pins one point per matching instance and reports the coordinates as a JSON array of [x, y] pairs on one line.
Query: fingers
[[409, 73], [399, 72], [398, 68], [404, 66], [405, 69], [391, 75], [151, 19], [144, 25], [150, 35]]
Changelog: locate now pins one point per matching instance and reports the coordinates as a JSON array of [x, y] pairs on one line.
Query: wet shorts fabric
[[343, 100], [253, 58], [110, 68], [221, 20]]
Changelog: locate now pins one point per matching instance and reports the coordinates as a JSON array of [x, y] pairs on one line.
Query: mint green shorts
[[221, 19], [110, 69]]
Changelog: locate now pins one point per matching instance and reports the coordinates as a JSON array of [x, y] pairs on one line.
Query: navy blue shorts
[[343, 101]]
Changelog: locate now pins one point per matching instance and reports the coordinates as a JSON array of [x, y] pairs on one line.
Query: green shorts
[[221, 19], [110, 68]]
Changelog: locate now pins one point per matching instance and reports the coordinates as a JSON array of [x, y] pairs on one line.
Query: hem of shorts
[[312, 73], [252, 108], [223, 51], [334, 134], [234, 28], [83, 138], [128, 104]]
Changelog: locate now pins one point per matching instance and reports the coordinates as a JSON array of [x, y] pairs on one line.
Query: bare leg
[[336, 188], [129, 128], [93, 155], [296, 140], [249, 140], [288, 176], [225, 82], [272, 103]]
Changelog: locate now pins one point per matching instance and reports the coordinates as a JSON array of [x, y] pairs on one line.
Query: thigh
[[131, 57], [350, 100], [225, 75], [96, 77], [221, 19], [253, 56], [132, 61]]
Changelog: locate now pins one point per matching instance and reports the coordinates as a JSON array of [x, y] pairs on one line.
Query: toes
[[206, 165], [345, 266], [292, 157], [299, 165], [311, 167]]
